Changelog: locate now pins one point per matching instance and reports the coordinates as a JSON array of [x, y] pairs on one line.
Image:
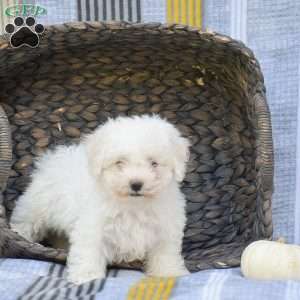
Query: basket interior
[[76, 80]]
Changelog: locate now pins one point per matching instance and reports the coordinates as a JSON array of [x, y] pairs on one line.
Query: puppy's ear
[[181, 156], [95, 151]]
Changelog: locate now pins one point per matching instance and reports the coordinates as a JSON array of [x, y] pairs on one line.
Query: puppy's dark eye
[[154, 164], [119, 163]]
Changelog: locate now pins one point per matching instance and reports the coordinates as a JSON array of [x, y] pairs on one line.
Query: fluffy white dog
[[115, 196]]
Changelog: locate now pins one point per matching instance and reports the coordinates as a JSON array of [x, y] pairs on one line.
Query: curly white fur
[[87, 192]]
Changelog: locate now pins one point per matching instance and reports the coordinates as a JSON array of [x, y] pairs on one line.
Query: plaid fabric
[[116, 10], [27, 279], [272, 30], [185, 12]]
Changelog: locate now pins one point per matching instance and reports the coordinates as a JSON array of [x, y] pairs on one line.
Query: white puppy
[[115, 196]]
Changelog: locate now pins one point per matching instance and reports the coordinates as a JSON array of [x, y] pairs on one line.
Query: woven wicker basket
[[207, 84]]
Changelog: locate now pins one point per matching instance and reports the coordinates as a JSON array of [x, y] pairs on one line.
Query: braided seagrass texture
[[207, 84]]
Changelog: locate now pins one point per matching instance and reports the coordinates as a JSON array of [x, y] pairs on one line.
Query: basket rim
[[123, 25]]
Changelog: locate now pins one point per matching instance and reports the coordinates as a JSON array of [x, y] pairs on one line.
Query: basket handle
[[5, 149]]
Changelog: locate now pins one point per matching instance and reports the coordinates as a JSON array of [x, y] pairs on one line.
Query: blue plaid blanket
[[29, 279]]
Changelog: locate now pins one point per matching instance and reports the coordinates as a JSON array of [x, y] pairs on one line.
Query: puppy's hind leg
[[26, 230], [27, 223]]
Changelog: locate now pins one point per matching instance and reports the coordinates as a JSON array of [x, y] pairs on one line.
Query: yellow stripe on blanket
[[152, 288], [187, 12]]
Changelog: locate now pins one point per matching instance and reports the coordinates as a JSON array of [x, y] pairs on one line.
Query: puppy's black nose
[[136, 185]]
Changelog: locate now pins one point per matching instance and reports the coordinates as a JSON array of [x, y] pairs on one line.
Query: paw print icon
[[24, 32]]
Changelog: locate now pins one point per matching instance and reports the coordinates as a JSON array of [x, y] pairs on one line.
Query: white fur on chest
[[129, 235]]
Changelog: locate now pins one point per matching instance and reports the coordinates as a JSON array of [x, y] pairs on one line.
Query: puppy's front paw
[[82, 275]]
